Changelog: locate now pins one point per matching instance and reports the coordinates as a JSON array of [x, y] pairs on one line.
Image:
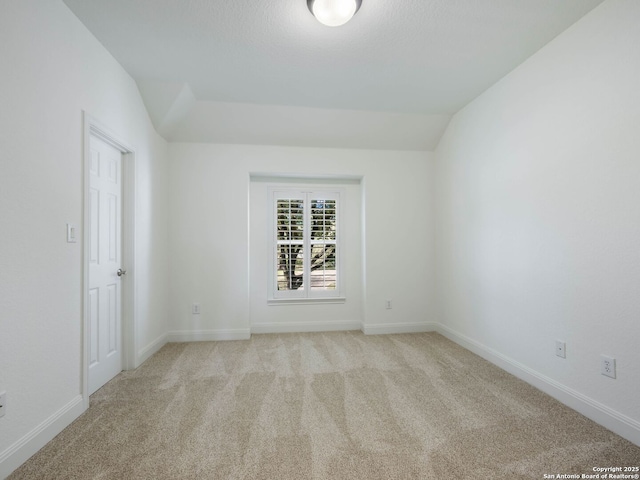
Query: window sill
[[305, 301]]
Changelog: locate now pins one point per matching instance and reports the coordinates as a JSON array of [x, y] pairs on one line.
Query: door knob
[[121, 272]]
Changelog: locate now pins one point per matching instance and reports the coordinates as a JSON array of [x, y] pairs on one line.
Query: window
[[305, 244]]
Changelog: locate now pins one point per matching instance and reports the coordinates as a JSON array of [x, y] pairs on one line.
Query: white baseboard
[[292, 327], [23, 449], [618, 423], [208, 335], [390, 328], [145, 353]]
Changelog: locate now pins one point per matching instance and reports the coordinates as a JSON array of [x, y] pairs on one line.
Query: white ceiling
[[266, 72]]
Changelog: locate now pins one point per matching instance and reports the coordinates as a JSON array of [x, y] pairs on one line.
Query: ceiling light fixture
[[334, 13]]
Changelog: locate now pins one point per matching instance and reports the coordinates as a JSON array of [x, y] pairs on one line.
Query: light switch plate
[[72, 231]]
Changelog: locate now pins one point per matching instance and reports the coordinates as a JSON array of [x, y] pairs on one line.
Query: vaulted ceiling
[[267, 72]]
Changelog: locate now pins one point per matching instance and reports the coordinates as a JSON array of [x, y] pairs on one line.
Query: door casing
[[129, 358]]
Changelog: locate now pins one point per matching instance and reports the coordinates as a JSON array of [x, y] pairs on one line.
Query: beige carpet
[[329, 406]]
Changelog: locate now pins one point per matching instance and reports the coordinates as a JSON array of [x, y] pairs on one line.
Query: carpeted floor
[[337, 405]]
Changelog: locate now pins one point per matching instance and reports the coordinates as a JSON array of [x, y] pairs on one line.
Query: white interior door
[[105, 262]]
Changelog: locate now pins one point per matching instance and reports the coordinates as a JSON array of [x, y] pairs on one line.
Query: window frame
[[307, 193]]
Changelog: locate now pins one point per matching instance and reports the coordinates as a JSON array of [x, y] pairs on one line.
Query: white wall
[[52, 70], [538, 214], [210, 192]]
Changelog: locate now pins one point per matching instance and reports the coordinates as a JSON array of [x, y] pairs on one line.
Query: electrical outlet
[[608, 366], [561, 349], [195, 309], [3, 403], [388, 304]]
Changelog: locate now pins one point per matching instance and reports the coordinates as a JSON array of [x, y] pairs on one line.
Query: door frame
[[128, 319]]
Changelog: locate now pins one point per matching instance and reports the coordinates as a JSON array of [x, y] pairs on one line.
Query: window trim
[[297, 297]]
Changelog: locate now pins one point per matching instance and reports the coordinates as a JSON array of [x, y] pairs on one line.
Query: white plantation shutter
[[323, 244], [305, 248], [290, 243]]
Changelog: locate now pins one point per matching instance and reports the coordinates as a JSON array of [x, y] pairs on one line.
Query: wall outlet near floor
[[561, 349], [388, 304], [608, 366], [195, 309], [3, 403]]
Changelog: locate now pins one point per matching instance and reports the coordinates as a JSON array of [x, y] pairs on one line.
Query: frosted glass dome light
[[333, 13]]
